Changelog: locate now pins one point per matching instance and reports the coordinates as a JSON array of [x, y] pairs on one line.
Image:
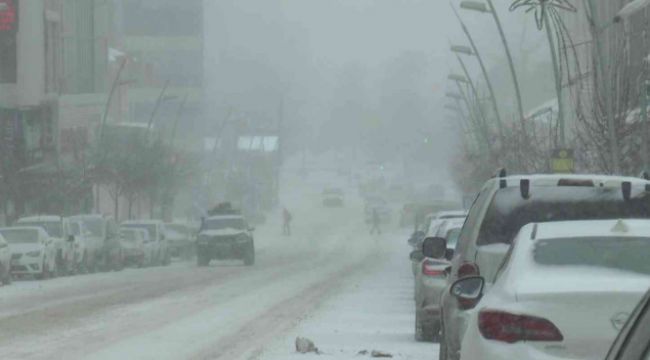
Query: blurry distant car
[[33, 252], [434, 220], [81, 239], [430, 282], [134, 247], [180, 236], [432, 223], [5, 261], [333, 197], [100, 228], [58, 228], [632, 341], [450, 230], [380, 205], [564, 291], [224, 237], [157, 238]]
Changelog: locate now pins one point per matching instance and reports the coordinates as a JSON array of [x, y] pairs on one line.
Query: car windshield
[[20, 236], [509, 211], [151, 228], [454, 216], [94, 226], [129, 235], [52, 228], [179, 228], [224, 223], [452, 237], [617, 253], [75, 228]]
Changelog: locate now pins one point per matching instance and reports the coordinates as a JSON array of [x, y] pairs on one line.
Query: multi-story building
[[54, 69]]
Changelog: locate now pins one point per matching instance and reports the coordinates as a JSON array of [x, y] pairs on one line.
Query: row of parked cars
[[47, 246], [542, 267]]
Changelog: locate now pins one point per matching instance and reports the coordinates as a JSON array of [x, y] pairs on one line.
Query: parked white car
[[101, 230], [564, 291], [33, 251], [81, 246], [136, 251], [157, 238], [506, 203], [58, 228], [5, 261]]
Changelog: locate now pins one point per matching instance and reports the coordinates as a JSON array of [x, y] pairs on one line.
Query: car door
[[632, 342]]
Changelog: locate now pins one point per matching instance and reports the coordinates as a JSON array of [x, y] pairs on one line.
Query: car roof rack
[[224, 208]]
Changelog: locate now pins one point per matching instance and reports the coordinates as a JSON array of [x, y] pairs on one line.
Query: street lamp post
[[475, 92], [489, 8], [474, 51], [459, 80]]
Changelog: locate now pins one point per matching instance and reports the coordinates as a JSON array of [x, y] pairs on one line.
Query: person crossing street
[[286, 226]]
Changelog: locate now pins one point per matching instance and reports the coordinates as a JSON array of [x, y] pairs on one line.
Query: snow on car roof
[[585, 228], [40, 218], [146, 222], [225, 217], [553, 179]]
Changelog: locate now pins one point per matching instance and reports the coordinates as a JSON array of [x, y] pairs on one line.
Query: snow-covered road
[[372, 311], [330, 281]]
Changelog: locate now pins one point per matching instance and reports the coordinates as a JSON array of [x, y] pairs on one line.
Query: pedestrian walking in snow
[[286, 226]]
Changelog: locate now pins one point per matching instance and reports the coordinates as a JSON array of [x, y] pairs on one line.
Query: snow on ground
[[373, 311], [330, 282]]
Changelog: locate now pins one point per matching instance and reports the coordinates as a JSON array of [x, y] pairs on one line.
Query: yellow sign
[[562, 161]]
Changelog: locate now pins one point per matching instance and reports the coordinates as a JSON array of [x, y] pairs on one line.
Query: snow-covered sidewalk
[[373, 311]]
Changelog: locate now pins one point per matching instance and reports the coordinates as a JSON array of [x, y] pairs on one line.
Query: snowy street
[[317, 283], [373, 311]]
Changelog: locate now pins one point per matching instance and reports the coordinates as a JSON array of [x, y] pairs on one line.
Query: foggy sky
[[270, 57]]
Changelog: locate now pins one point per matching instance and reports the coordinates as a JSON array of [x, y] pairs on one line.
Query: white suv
[[505, 204]]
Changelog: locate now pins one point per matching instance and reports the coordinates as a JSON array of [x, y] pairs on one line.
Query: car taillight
[[468, 269], [511, 328], [429, 269]]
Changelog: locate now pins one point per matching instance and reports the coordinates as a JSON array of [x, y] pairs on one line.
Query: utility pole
[[606, 75], [558, 82]]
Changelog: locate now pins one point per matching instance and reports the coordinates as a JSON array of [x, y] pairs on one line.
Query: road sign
[[562, 161]]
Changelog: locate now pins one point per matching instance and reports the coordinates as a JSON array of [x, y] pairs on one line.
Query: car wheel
[[202, 260], [423, 332], [418, 328], [6, 276], [167, 259], [442, 355], [249, 256]]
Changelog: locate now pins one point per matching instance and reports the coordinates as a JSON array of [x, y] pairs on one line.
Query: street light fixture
[[474, 5], [488, 7], [459, 78], [454, 96], [631, 9], [461, 49]]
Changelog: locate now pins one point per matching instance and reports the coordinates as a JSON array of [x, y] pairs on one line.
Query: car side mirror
[[416, 255], [71, 238], [434, 247], [468, 291]]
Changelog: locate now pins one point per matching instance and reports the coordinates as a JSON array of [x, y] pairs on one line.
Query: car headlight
[[36, 253]]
